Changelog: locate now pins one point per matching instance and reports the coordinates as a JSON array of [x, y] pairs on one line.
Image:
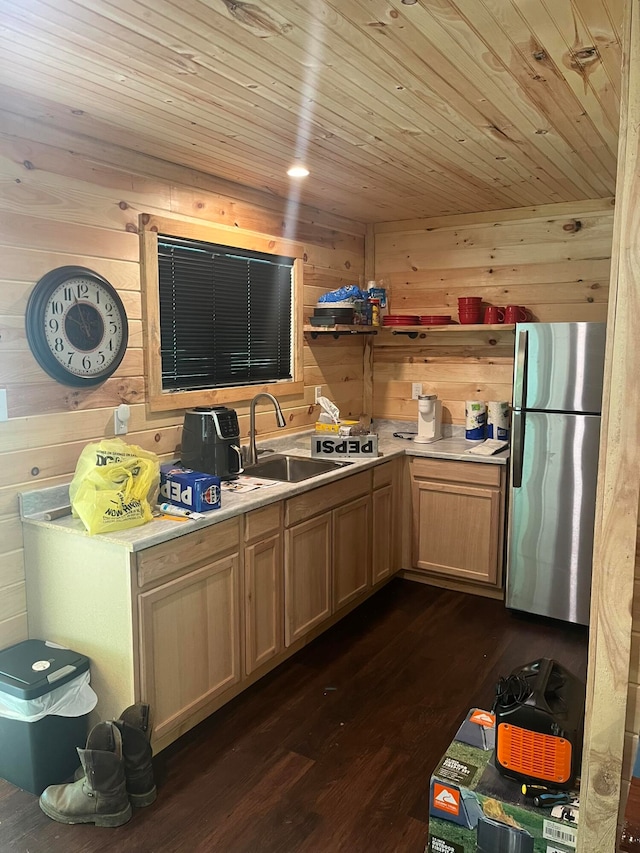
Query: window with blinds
[[225, 315]]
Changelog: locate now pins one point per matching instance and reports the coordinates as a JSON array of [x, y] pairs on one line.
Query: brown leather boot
[[100, 796], [135, 728], [134, 724]]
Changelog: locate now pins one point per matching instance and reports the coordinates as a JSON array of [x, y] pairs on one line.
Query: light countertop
[[34, 505]]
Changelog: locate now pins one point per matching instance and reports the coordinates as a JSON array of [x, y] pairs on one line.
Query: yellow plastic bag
[[114, 486]]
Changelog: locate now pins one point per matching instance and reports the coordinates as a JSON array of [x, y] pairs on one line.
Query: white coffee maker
[[429, 419]]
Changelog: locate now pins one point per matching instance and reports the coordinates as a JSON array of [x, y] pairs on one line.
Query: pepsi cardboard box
[[474, 809], [189, 489], [328, 446]]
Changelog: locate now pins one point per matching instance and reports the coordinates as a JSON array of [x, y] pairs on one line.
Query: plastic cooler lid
[[34, 667]]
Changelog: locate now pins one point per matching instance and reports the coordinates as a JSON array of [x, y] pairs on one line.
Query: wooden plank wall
[[553, 259], [65, 200]]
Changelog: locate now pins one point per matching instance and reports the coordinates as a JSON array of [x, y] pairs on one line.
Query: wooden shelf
[[411, 331], [339, 330], [453, 327]]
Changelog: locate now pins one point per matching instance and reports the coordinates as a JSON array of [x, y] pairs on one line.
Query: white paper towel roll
[[475, 413], [498, 419]]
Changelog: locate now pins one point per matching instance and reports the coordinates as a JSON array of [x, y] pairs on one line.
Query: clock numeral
[[101, 357], [108, 307], [86, 362], [83, 290], [113, 327], [110, 344], [57, 307], [58, 345], [71, 355], [68, 294], [54, 325]]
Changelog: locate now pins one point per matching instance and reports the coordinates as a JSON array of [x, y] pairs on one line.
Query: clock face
[[76, 326]]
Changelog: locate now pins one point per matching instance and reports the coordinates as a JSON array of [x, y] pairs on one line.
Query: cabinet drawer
[[184, 551], [383, 474], [326, 497], [457, 472], [261, 522]]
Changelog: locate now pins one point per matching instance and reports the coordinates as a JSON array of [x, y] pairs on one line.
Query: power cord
[[510, 691]]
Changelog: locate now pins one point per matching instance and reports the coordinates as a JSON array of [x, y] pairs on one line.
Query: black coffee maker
[[211, 441]]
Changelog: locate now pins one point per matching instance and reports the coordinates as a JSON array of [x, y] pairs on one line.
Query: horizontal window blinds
[[225, 315]]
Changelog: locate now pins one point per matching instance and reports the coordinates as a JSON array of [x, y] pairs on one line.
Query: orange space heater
[[539, 712]]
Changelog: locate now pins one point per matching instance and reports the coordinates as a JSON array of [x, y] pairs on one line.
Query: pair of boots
[[116, 773]]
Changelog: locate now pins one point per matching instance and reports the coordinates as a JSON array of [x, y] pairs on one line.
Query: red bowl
[[469, 300]]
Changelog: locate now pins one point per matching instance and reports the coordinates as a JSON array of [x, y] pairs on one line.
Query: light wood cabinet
[[189, 641], [351, 551], [307, 576], [457, 519], [186, 624], [383, 552], [333, 541], [386, 527], [263, 586]]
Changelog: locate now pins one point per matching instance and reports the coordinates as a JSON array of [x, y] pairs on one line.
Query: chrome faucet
[[252, 451]]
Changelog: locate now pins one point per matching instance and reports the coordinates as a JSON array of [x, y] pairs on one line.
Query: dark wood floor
[[334, 750]]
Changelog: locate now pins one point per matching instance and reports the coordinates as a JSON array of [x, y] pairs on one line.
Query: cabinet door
[[456, 530], [263, 601], [382, 557], [307, 576], [351, 551], [189, 641]]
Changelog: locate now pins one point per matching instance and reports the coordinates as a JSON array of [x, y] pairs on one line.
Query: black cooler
[[36, 754]]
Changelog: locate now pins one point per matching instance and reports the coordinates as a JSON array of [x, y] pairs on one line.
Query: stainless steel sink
[[291, 469]]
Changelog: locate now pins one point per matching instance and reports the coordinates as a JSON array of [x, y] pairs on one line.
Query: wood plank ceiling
[[399, 111]]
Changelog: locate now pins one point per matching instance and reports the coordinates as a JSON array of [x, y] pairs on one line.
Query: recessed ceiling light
[[297, 172], [409, 2]]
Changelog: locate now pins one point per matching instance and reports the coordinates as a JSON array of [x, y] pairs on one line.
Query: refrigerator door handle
[[517, 442], [520, 373]]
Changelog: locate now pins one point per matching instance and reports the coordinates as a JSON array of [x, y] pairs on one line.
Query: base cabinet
[[190, 641], [351, 551], [263, 586], [307, 576], [458, 516], [186, 624], [383, 553]]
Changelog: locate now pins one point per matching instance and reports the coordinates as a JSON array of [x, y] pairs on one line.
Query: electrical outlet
[[416, 390], [318, 393]]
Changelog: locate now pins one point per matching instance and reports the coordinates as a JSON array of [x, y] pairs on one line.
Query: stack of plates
[[330, 315], [435, 319], [400, 320]]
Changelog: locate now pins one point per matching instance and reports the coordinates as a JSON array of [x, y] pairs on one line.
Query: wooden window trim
[[161, 401]]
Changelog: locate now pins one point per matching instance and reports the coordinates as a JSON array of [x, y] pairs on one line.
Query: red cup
[[493, 314], [516, 314], [469, 317]]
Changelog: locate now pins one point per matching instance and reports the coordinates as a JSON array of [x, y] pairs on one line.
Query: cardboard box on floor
[[474, 809]]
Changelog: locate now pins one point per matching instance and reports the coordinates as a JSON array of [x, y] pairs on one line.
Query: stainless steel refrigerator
[[555, 431]]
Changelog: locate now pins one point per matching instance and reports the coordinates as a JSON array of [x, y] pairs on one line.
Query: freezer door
[[559, 366], [551, 515]]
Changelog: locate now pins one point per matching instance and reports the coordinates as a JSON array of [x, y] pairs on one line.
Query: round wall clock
[[76, 326]]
